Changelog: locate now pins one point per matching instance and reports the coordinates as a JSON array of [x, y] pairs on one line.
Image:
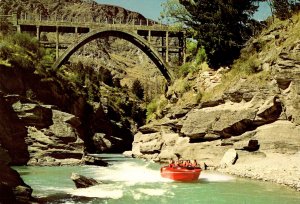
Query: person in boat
[[194, 163], [171, 163], [181, 163]]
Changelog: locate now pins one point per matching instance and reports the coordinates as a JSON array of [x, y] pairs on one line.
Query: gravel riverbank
[[278, 168]]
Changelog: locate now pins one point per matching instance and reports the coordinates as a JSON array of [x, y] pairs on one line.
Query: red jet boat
[[180, 173]]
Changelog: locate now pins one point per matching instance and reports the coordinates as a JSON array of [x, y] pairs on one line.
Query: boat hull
[[180, 173]]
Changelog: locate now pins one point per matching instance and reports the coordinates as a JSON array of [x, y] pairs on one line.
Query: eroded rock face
[[58, 144], [255, 129], [51, 135], [292, 102], [12, 133], [223, 121]]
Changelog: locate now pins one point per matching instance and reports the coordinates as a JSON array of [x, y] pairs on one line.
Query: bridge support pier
[[149, 35], [184, 49], [76, 32], [167, 46], [57, 43], [38, 33], [18, 28]]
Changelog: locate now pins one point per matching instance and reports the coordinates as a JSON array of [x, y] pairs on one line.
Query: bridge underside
[[137, 40]]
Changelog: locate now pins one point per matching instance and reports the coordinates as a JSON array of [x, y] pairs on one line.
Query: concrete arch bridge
[[141, 34]]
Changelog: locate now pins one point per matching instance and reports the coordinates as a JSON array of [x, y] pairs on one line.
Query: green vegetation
[[23, 51], [251, 69], [221, 27], [155, 108], [5, 26], [263, 49], [195, 56]]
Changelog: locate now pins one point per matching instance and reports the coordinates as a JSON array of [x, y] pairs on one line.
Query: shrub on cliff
[[23, 51], [155, 108], [15, 53]]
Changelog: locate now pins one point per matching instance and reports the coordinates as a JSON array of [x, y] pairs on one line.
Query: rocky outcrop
[[13, 151], [12, 187], [50, 136]]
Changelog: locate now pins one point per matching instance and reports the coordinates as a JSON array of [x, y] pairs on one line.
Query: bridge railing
[[24, 18], [81, 19]]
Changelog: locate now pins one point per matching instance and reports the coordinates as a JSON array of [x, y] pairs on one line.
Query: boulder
[[252, 146], [153, 146], [164, 124], [23, 193], [278, 137], [128, 154], [229, 158], [82, 181]]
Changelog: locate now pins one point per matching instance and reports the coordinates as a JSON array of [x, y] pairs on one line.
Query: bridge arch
[[135, 39]]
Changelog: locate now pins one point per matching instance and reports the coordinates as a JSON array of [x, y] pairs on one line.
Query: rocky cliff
[[91, 110], [245, 120]]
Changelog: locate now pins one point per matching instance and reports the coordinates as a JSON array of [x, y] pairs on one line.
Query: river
[[129, 180]]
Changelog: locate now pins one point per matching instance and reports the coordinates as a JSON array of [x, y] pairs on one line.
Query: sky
[[152, 8], [148, 8]]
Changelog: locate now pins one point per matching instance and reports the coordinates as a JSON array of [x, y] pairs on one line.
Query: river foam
[[131, 173], [99, 191]]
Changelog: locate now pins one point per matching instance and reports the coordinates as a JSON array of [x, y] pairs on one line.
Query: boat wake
[[142, 178], [131, 173], [215, 177]]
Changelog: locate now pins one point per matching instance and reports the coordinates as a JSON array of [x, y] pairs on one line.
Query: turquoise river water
[[129, 180]]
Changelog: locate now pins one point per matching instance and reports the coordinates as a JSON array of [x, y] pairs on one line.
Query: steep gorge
[[57, 120]]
